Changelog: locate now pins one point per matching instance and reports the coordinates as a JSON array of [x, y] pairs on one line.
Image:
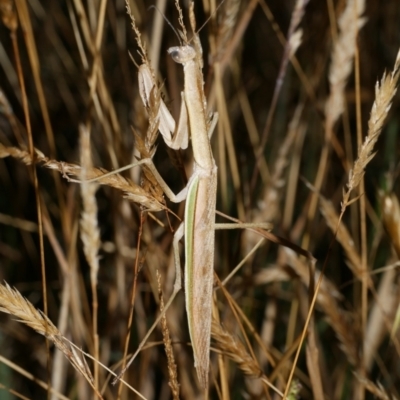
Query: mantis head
[[182, 54]]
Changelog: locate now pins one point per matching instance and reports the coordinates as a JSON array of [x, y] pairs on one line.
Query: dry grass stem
[[328, 296], [292, 44], [391, 219], [172, 370], [376, 389], [380, 316], [269, 206], [342, 236]]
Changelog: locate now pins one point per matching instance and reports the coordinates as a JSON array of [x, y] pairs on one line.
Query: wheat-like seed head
[[350, 22], [384, 93], [131, 191], [90, 233], [13, 303]]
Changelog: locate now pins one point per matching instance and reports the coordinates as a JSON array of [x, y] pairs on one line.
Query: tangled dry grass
[[307, 140]]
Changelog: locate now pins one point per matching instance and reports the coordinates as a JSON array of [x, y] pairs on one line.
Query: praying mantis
[[199, 225]]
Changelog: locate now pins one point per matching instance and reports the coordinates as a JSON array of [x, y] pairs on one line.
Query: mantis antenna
[[167, 21]]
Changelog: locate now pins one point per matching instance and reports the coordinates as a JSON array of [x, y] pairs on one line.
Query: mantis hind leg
[[243, 225]]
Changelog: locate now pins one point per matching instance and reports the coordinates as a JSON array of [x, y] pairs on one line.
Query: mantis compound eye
[[182, 54]]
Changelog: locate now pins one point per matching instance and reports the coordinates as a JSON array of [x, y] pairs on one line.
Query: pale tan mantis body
[[200, 194]]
